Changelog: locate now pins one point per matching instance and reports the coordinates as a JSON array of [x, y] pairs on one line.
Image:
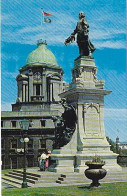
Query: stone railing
[[37, 98]]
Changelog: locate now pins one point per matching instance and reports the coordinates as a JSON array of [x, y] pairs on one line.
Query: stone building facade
[[39, 84]]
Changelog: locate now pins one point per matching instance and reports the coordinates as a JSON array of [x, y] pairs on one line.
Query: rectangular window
[[14, 143], [38, 89], [13, 123], [2, 123], [14, 163], [2, 143], [30, 162], [43, 123], [30, 143], [42, 143]]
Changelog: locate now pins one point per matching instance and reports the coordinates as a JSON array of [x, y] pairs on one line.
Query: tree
[[112, 144]]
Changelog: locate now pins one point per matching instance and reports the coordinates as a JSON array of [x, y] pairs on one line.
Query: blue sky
[[21, 28]]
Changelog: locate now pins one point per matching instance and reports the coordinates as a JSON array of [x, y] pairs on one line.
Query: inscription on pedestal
[[91, 119]]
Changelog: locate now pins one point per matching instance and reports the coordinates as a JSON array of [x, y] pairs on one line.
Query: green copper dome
[[41, 55]]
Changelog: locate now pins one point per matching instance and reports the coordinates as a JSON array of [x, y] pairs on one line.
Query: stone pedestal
[[86, 94], [65, 157]]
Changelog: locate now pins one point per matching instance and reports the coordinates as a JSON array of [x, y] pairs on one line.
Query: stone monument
[[86, 95]]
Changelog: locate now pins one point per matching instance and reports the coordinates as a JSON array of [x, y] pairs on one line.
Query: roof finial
[[40, 41]]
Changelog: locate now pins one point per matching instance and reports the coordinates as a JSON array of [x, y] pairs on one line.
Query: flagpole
[[42, 16]]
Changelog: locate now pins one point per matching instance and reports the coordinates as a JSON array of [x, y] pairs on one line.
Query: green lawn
[[112, 189]]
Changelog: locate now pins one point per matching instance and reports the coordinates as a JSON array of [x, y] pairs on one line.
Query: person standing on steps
[[42, 161]]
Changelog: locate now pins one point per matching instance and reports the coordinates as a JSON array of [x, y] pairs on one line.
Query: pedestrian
[[42, 161], [47, 158]]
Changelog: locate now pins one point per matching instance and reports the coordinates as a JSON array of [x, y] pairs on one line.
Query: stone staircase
[[15, 178], [36, 178]]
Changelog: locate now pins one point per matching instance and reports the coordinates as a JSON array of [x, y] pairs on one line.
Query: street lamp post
[[24, 124]]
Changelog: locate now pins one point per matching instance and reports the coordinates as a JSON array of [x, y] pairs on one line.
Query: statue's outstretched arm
[[71, 38], [74, 32]]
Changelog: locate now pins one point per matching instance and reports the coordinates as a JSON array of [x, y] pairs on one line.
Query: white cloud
[[116, 114], [98, 34], [118, 44], [53, 33], [28, 35], [29, 29], [24, 27]]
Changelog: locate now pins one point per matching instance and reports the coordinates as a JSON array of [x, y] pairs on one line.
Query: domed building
[[39, 84], [39, 81]]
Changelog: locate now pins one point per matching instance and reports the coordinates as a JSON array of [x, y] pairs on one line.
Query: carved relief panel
[[91, 119]]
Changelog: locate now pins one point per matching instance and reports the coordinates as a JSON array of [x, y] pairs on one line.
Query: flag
[[46, 18], [46, 14]]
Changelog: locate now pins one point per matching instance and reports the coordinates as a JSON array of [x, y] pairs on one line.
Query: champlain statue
[[84, 44], [64, 125]]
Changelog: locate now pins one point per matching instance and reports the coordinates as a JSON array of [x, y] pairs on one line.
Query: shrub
[[96, 159]]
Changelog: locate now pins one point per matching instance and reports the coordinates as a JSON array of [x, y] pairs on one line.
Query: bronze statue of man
[[84, 44]]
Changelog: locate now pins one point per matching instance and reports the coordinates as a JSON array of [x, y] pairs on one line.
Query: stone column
[[24, 93], [24, 90], [30, 89], [56, 90], [40, 89], [34, 89], [44, 85], [51, 91], [20, 90]]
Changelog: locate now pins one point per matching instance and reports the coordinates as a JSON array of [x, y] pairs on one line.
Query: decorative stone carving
[[79, 82], [94, 71], [30, 72], [18, 100], [87, 105], [100, 84], [37, 76]]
